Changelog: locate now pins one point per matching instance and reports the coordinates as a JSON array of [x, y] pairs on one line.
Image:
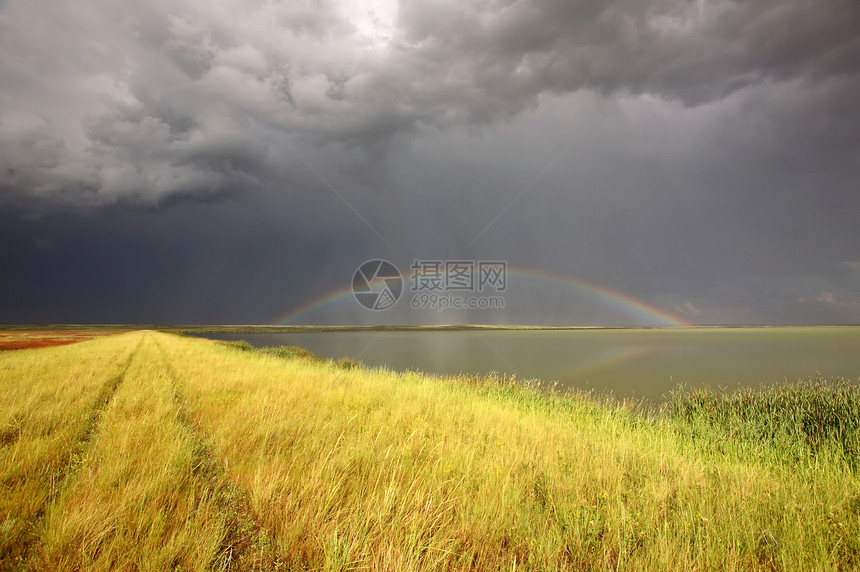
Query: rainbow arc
[[647, 313]]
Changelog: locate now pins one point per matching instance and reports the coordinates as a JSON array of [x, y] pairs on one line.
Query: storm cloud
[[702, 156], [105, 104]]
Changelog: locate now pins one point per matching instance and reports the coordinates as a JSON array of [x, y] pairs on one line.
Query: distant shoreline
[[283, 329]]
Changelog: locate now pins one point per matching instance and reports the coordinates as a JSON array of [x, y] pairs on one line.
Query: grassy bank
[[147, 450]]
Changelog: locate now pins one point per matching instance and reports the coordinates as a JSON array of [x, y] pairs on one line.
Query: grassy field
[[146, 450]]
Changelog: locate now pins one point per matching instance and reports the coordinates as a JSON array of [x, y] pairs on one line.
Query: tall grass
[[145, 493], [800, 421], [215, 457], [51, 403]]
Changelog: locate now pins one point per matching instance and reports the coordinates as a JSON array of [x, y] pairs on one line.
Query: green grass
[[146, 450], [800, 422]]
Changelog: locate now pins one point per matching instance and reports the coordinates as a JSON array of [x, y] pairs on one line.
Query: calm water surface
[[644, 363]]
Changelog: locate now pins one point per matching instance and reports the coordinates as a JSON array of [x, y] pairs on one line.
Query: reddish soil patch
[[26, 345], [31, 340]]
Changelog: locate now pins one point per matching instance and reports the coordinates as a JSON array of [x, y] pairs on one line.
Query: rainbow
[[613, 298]]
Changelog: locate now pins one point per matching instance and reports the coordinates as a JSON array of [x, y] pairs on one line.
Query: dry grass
[[209, 457], [52, 400]]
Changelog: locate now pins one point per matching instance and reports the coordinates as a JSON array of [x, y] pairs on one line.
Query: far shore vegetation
[[286, 329]]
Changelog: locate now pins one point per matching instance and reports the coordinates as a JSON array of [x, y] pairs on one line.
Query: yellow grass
[[150, 451]]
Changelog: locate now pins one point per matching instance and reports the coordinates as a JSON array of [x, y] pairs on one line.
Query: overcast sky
[[232, 161]]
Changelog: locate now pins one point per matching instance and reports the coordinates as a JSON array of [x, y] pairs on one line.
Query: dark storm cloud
[[692, 51], [701, 156], [216, 262], [138, 104]]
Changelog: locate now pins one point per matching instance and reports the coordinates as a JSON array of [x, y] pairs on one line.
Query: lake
[[639, 363]]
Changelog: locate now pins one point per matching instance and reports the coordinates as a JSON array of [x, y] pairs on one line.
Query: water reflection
[[643, 363]]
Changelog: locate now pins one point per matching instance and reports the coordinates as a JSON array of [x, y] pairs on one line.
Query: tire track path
[[52, 478], [244, 536], [142, 497]]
